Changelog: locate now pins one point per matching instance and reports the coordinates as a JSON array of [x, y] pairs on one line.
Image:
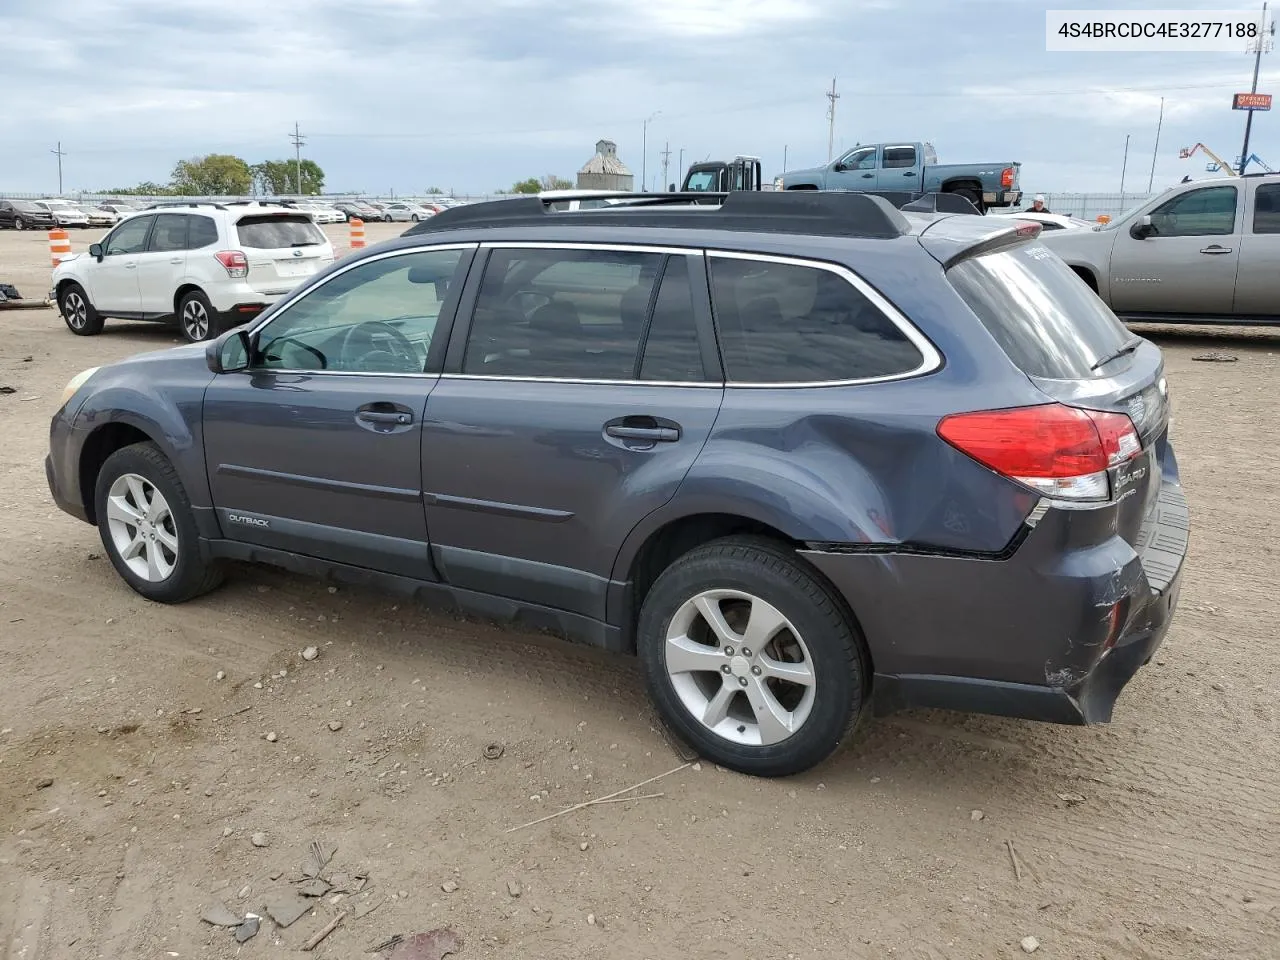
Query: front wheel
[[19, 224], [78, 313], [414, 218], [750, 657], [147, 526], [196, 317]]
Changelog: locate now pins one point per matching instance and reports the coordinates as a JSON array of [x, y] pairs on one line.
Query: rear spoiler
[[950, 240]]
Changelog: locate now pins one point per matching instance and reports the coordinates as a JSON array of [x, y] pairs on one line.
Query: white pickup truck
[[1205, 251]]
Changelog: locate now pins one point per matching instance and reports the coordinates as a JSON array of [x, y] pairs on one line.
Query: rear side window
[[1045, 318], [202, 232], [790, 323], [273, 231], [1266, 208], [895, 157]]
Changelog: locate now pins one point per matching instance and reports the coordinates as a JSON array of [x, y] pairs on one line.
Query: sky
[[473, 95]]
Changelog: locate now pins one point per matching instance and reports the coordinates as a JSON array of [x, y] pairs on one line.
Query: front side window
[[702, 180], [572, 314], [1207, 212], [863, 158], [1266, 208], [792, 323], [378, 317], [129, 237], [170, 233]]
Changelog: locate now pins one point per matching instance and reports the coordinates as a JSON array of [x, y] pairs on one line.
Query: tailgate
[[282, 248]]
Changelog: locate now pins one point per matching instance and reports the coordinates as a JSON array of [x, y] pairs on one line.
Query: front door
[[1188, 266], [571, 407], [316, 448], [113, 283], [856, 170]]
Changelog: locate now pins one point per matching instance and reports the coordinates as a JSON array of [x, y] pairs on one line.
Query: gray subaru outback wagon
[[806, 455]]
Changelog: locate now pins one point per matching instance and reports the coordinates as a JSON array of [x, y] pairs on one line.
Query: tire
[[19, 224], [414, 218], [167, 564], [971, 195], [732, 691], [77, 312], [387, 218], [197, 319]]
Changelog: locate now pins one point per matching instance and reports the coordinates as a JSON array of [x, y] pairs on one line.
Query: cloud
[[409, 93]]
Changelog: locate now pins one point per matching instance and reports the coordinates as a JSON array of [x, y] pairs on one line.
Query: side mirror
[[671, 188], [95, 250], [839, 167], [1142, 229], [229, 353]]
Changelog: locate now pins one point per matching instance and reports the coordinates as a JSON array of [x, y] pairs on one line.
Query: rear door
[[899, 168], [162, 264], [572, 406], [1258, 278], [113, 283], [283, 249], [1188, 267], [316, 448]]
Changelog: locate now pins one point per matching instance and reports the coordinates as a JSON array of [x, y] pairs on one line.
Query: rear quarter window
[[794, 323], [1047, 320], [273, 231]]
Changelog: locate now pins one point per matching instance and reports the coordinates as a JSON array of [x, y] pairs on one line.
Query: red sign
[[1251, 101]]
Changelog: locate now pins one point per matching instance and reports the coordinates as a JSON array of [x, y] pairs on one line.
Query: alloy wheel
[[195, 320], [142, 528], [739, 667], [75, 310]]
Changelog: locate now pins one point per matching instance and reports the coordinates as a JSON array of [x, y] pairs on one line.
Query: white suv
[[210, 266]]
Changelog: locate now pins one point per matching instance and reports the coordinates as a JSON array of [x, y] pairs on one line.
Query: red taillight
[[1059, 451], [1006, 177], [1029, 230], [235, 261]]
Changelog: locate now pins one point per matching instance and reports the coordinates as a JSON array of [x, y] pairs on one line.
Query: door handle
[[385, 416], [867, 176], [176, 260], [132, 265], [909, 173], [644, 429], [1215, 249]]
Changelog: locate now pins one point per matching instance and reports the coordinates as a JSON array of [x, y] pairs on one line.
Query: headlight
[[75, 383]]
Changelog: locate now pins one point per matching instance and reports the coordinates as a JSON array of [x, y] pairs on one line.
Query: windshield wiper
[[1128, 346]]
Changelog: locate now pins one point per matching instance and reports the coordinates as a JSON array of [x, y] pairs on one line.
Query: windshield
[[1121, 217], [1049, 323]]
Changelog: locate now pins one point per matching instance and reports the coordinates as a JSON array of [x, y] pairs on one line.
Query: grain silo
[[605, 171]]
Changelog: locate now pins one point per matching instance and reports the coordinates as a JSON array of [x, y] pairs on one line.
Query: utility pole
[[680, 165], [60, 154], [1156, 149], [1261, 43], [666, 160], [784, 158], [644, 151], [1124, 167], [831, 120], [298, 140]]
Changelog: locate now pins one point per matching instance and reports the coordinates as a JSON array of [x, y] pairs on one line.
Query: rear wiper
[[1128, 346]]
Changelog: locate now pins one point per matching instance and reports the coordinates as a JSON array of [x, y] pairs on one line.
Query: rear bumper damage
[[1052, 632]]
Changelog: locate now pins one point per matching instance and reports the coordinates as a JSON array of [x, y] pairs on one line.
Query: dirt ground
[[1153, 837]]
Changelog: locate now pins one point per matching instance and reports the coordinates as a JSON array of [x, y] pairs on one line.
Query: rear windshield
[[1044, 316], [272, 231]]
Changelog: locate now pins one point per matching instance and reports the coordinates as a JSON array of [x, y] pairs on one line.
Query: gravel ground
[[155, 760]]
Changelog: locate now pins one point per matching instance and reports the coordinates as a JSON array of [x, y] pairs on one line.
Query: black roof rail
[[817, 213], [160, 204]]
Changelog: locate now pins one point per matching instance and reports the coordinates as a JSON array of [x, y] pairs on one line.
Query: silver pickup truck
[[1206, 251]]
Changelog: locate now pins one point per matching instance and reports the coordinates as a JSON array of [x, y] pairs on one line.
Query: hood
[[804, 172]]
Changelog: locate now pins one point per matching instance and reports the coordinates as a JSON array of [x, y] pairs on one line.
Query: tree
[[434, 191], [144, 189], [218, 174], [552, 182], [532, 185], [281, 176]]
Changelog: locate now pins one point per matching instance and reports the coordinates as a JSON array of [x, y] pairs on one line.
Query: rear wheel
[[196, 317], [387, 218], [971, 195], [77, 312], [750, 658], [147, 527]]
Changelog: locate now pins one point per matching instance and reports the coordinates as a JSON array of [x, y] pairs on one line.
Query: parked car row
[[43, 214]]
